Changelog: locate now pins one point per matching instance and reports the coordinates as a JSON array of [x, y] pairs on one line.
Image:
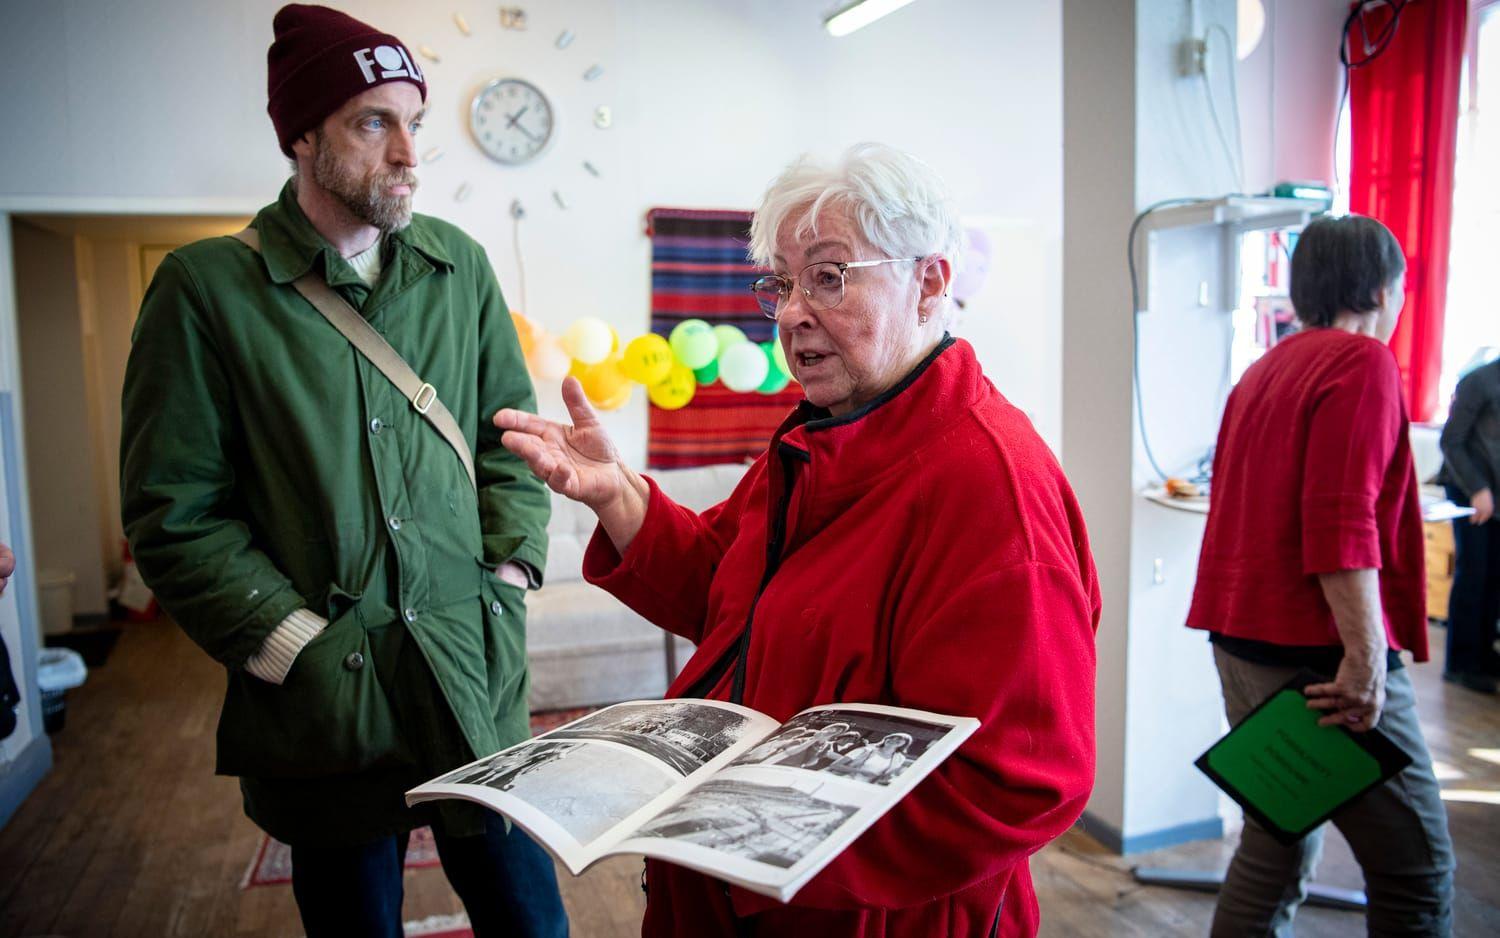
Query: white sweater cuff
[[282, 646]]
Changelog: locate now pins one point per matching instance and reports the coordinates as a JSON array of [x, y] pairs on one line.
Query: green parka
[[267, 466]]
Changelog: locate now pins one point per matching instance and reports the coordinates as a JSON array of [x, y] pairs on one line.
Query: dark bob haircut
[[1342, 264]]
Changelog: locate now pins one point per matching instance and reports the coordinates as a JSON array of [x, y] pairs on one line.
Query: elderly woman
[[906, 539], [1313, 558]]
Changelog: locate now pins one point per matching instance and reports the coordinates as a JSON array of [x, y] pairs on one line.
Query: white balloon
[[743, 367]]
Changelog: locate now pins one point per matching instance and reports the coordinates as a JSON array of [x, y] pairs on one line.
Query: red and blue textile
[[700, 269]]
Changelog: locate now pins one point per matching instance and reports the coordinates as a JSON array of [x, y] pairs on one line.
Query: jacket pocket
[[330, 716], [504, 641]]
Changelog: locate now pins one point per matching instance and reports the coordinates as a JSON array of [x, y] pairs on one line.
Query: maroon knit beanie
[[322, 58]]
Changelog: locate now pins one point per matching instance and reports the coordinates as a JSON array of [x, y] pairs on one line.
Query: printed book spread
[[713, 786]]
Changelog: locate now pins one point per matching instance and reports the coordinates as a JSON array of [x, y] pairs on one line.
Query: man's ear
[[933, 280], [305, 145]]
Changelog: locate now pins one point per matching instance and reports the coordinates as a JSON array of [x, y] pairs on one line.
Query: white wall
[[109, 297], [1099, 166], [64, 490], [1289, 88], [710, 100], [1137, 130], [18, 607]]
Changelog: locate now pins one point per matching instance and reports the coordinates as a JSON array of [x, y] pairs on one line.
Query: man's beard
[[366, 198]]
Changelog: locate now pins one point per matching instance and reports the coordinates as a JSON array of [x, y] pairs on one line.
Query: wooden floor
[[132, 834]]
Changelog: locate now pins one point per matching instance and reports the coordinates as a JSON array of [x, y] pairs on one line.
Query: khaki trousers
[[1398, 832]]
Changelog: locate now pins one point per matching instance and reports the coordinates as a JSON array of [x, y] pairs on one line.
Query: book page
[[782, 810], [579, 788]]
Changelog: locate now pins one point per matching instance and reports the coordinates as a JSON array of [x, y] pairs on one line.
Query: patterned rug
[[272, 863], [439, 926], [699, 270]]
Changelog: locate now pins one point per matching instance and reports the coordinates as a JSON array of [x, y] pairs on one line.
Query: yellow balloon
[[619, 400], [675, 392], [547, 360], [602, 383], [577, 368], [647, 359]]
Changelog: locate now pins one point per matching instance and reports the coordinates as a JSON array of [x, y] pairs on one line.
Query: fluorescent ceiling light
[[860, 14]]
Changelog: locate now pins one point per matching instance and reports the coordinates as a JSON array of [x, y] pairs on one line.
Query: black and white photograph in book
[[778, 825], [565, 782], [683, 735], [867, 747], [502, 770]]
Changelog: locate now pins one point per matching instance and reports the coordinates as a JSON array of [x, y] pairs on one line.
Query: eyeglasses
[[822, 285]]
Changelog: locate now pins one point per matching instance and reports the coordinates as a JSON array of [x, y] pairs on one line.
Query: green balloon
[[778, 356], [778, 363], [709, 373], [727, 335], [693, 343], [775, 381]]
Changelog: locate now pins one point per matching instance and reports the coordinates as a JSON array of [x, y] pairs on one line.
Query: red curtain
[[1403, 117]]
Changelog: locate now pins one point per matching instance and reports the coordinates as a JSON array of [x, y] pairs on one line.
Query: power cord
[[1135, 314], [518, 212], [1372, 51], [1234, 154]]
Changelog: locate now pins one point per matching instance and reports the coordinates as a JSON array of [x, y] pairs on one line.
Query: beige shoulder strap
[[373, 346]]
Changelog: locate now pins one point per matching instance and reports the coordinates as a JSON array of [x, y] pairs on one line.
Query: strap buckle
[[424, 397]]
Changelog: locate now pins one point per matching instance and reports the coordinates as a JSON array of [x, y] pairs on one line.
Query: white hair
[[897, 201]]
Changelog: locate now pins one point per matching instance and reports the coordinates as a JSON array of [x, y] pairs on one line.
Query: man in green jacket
[[308, 527]]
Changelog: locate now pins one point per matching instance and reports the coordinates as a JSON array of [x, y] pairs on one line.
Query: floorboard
[[133, 835]]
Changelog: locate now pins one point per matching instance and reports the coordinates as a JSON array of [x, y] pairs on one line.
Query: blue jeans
[[1474, 603], [506, 882]]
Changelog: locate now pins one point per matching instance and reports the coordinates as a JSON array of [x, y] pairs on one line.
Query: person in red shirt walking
[[907, 539], [1313, 557]]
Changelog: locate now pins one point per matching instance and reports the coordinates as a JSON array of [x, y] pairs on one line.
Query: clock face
[[511, 120]]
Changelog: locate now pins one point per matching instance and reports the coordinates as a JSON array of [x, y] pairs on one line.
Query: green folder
[[1289, 773]]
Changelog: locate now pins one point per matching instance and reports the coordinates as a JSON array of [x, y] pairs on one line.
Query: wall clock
[[511, 120]]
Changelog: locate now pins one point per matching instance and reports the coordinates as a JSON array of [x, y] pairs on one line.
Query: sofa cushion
[[573, 524]]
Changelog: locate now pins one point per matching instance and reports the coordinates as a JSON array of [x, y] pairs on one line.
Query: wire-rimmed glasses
[[822, 285]]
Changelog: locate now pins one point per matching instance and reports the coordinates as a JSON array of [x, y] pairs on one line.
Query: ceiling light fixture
[[859, 14]]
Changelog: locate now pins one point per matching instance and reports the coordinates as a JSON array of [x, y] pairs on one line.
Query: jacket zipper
[[737, 654]]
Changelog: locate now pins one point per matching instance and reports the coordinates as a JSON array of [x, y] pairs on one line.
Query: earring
[[921, 319]]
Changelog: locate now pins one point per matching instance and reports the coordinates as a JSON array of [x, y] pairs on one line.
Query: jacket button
[[496, 608], [411, 615], [375, 425], [394, 522], [354, 661]]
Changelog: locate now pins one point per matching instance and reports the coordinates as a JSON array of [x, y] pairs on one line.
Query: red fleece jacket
[[932, 556]]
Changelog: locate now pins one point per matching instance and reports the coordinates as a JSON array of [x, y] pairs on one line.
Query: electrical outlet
[[1191, 55]]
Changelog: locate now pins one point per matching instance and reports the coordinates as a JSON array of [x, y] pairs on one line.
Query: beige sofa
[[584, 646]]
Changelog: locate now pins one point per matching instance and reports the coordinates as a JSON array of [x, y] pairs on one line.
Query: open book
[[709, 785]]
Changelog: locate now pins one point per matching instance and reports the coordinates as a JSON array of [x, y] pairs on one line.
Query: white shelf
[[1228, 218]]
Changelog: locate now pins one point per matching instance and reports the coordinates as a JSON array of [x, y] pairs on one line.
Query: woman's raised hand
[[580, 461]]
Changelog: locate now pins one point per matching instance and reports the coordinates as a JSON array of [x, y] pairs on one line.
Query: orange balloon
[[547, 360], [526, 332]]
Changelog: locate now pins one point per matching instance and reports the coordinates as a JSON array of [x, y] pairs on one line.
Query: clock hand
[[510, 119], [529, 134]]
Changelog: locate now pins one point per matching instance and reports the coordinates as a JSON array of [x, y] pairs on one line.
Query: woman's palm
[[578, 461]]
